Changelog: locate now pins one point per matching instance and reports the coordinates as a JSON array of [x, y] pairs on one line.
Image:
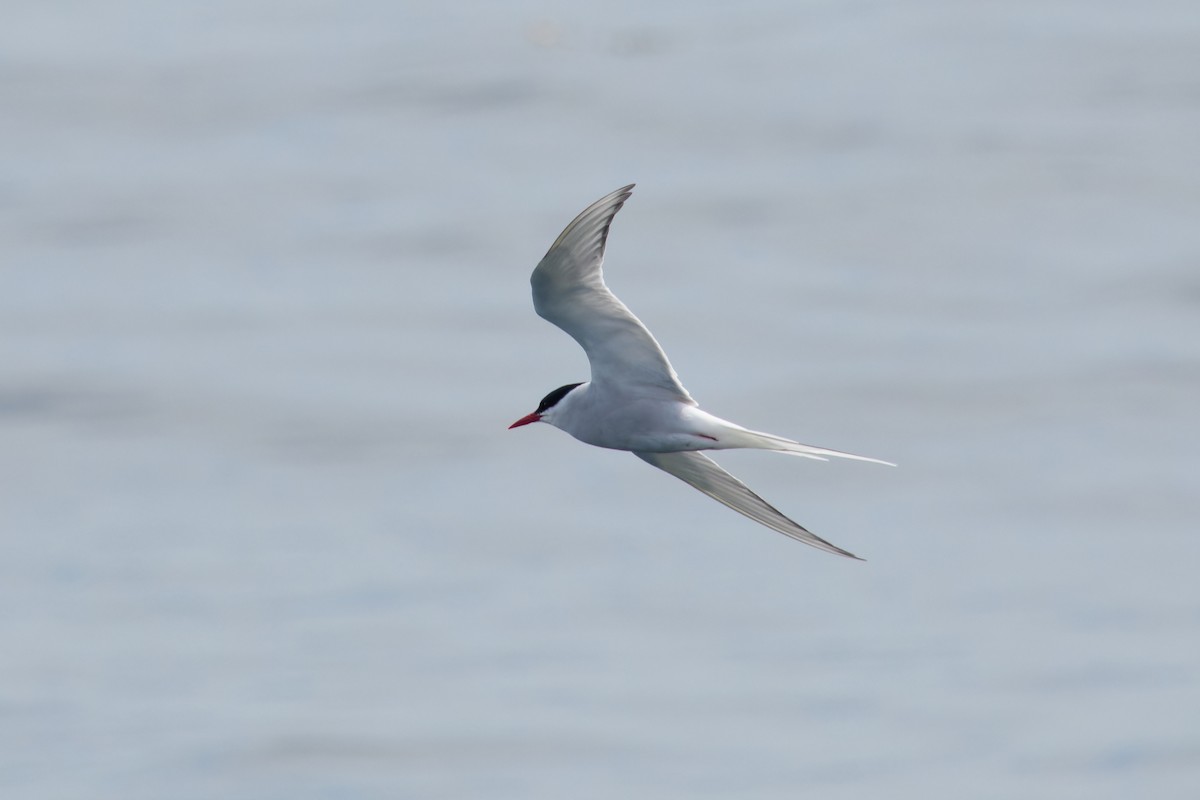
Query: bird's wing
[[704, 474], [569, 291]]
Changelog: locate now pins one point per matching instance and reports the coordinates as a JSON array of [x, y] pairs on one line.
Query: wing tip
[[822, 544], [617, 198], [617, 195]]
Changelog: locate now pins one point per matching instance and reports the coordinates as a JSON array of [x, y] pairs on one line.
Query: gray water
[[264, 319]]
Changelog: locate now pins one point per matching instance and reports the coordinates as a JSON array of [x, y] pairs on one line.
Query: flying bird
[[634, 400]]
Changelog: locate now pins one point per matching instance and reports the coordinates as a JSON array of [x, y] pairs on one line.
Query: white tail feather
[[735, 436]]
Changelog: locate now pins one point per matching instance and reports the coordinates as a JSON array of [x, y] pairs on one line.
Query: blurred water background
[[264, 319]]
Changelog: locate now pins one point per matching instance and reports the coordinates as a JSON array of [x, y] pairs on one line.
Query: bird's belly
[[646, 442], [649, 428]]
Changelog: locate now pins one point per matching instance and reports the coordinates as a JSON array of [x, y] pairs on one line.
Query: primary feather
[[701, 472]]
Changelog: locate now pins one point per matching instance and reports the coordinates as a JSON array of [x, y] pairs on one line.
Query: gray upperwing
[[569, 291], [703, 473]]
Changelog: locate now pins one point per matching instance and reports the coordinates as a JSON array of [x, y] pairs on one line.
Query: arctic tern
[[634, 400]]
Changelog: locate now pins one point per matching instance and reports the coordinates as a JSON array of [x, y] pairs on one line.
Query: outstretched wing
[[569, 291], [703, 473]]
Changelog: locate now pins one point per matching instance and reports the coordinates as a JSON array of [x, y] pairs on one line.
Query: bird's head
[[551, 405]]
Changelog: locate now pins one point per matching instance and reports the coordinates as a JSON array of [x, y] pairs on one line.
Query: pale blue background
[[264, 318]]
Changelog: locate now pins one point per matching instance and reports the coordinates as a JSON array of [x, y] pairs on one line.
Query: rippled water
[[265, 318]]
